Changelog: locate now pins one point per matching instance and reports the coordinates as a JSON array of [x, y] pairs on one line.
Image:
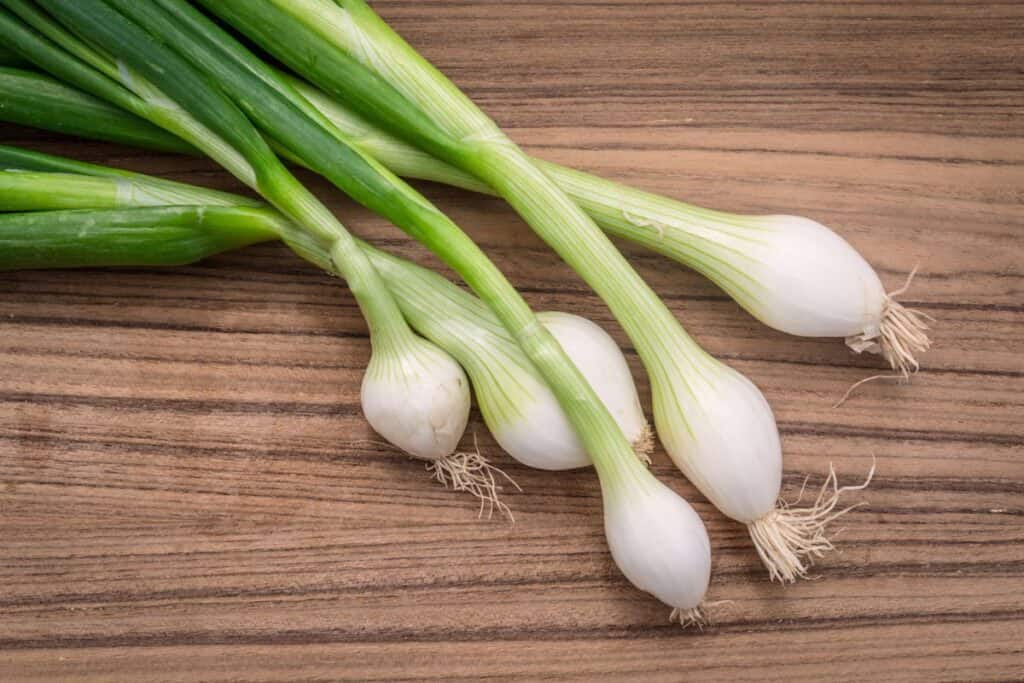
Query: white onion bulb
[[417, 397], [660, 544], [727, 443], [810, 281], [535, 430], [798, 276]]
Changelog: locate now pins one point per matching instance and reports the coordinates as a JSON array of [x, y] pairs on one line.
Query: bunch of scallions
[[361, 108]]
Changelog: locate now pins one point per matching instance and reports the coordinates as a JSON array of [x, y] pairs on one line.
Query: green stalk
[[60, 182], [10, 58], [34, 191], [111, 215], [177, 94], [31, 191], [399, 156], [156, 236], [33, 100], [38, 38]]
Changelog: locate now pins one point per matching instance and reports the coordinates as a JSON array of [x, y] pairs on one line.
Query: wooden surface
[[188, 491]]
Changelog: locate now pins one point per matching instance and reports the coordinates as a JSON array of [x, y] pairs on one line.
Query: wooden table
[[188, 490]]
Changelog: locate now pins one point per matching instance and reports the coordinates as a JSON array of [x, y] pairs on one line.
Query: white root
[[699, 616], [643, 446], [789, 539], [471, 472], [695, 616], [856, 385], [902, 334]]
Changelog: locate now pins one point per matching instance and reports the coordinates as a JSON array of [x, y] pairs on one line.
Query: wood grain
[[188, 491]]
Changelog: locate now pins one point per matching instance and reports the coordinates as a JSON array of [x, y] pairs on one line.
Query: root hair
[[788, 539], [902, 334], [699, 616], [686, 618], [858, 384], [471, 472]]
